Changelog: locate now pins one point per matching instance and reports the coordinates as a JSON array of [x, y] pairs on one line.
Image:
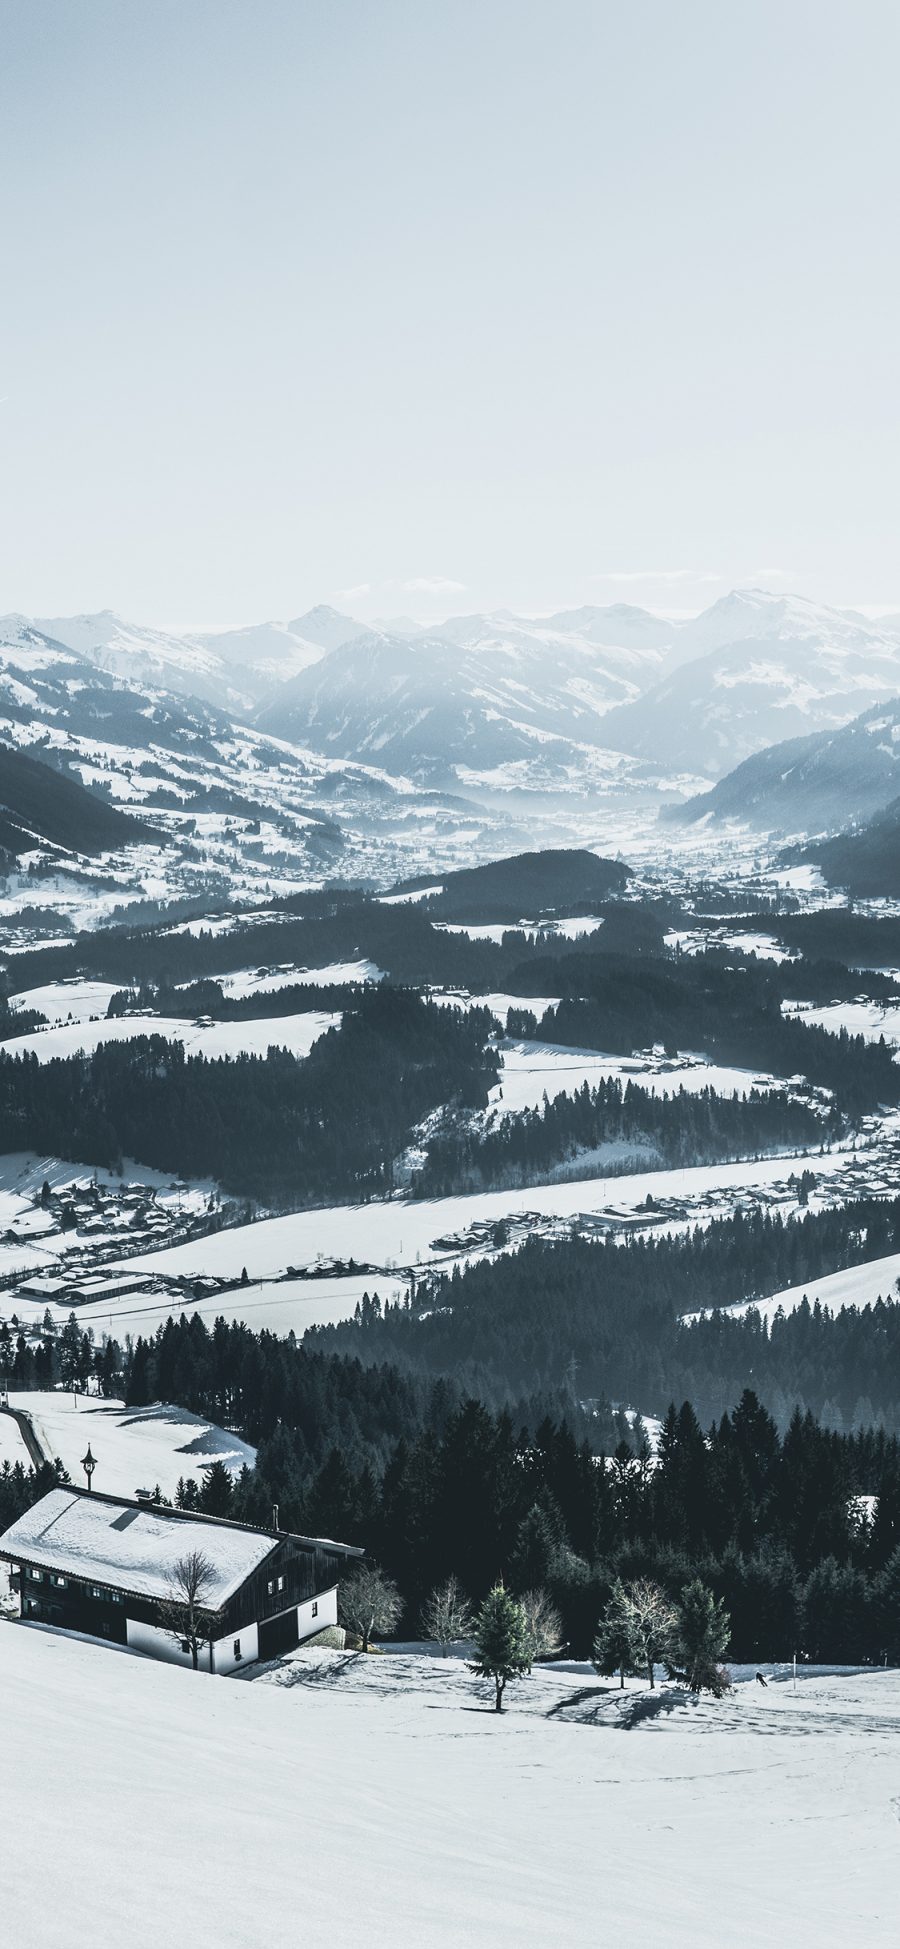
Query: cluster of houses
[[171, 1583], [77, 1289]]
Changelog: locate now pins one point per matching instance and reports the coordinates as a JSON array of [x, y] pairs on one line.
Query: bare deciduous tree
[[369, 1604], [542, 1624], [652, 1620], [446, 1616], [184, 1609]]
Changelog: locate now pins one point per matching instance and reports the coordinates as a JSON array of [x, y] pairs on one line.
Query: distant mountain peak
[[325, 626]]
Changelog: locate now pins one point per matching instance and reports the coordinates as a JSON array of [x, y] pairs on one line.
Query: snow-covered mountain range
[[502, 716], [753, 670]]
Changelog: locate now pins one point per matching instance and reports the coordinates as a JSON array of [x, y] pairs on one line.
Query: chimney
[[275, 1515]]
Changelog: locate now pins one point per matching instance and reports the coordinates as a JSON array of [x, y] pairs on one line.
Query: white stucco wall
[[308, 1622], [156, 1643], [224, 1659]]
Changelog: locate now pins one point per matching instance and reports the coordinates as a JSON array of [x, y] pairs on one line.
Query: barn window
[[37, 1576], [237, 1647], [270, 1587], [60, 1582], [281, 1583], [185, 1644], [315, 1610]]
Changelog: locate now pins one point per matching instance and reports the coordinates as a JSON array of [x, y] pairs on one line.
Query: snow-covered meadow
[[531, 1070], [403, 1232], [859, 1285], [872, 1020], [382, 1795], [134, 1448], [296, 1033]]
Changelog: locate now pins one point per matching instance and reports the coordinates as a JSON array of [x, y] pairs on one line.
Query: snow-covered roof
[[133, 1547]]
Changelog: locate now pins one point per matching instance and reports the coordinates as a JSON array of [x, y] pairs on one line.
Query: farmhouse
[[88, 1562]]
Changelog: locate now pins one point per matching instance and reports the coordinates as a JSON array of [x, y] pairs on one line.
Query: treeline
[[433, 1485], [331, 927], [730, 1013], [861, 941], [207, 997], [271, 1127], [638, 1129], [67, 1358], [18, 1021], [607, 1318], [273, 1389]]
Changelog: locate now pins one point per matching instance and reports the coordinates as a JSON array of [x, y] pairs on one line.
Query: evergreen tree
[[216, 1490], [615, 1648], [701, 1638], [501, 1640]]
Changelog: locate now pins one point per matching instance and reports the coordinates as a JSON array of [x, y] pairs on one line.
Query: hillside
[[524, 887], [809, 784], [39, 803], [756, 670], [383, 1788], [866, 863], [477, 694]]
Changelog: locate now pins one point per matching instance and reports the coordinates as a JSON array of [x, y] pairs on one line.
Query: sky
[[418, 308]]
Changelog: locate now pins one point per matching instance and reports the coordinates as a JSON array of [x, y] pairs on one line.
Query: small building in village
[[93, 1563]]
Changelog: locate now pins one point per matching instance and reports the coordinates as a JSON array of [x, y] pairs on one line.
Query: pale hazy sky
[[452, 302]]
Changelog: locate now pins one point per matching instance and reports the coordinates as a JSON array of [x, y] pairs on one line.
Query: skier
[[761, 1681]]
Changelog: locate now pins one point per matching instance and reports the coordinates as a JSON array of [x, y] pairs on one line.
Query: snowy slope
[[149, 656], [755, 670], [235, 810], [479, 692], [134, 1448], [268, 654], [250, 1038], [814, 784], [859, 1285], [379, 1801]]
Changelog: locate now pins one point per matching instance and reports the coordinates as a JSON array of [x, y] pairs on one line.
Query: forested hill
[[554, 881], [432, 1485], [865, 863], [38, 802], [611, 1315], [615, 1128], [281, 1130]]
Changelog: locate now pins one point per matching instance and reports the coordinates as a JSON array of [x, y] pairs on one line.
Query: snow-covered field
[[294, 1032], [63, 1001], [858, 1285], [403, 1232], [12, 1445], [134, 1448], [281, 1306], [567, 930], [379, 1800], [869, 1019], [697, 940], [261, 981], [532, 1068]]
